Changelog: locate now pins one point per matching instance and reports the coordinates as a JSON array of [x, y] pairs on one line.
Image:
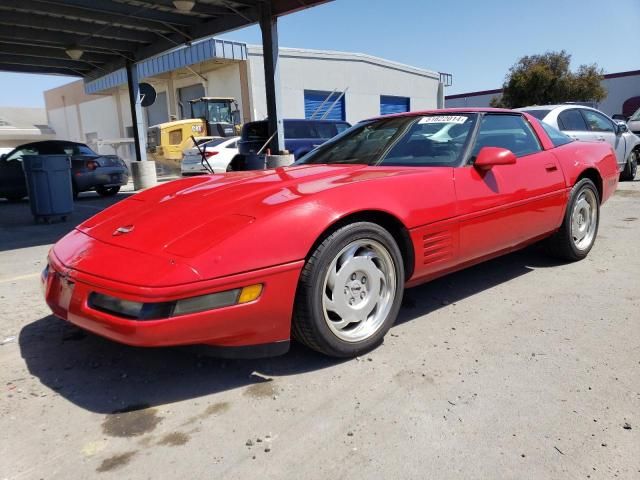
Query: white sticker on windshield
[[444, 119]]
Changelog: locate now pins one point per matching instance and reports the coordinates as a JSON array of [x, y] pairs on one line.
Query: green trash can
[[49, 185]]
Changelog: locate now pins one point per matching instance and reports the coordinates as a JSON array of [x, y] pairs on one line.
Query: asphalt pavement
[[519, 368]]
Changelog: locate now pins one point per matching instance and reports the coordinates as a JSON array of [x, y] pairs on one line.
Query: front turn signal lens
[[250, 293]]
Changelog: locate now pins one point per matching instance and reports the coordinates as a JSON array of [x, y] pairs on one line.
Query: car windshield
[[51, 148], [427, 140], [635, 116], [538, 113]]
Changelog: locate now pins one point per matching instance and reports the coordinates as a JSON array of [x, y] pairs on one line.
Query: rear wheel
[[630, 169], [576, 236], [15, 197], [350, 291], [107, 191]]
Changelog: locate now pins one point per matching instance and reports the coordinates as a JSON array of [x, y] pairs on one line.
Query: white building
[[97, 111], [623, 95], [20, 125]]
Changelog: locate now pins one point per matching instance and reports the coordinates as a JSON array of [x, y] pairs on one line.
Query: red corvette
[[323, 250]]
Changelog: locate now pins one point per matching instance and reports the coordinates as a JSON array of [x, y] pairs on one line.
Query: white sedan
[[218, 152]]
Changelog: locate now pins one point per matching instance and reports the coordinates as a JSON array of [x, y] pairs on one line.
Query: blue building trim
[[180, 57]]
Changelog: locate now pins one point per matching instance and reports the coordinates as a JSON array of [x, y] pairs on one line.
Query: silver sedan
[[588, 124]]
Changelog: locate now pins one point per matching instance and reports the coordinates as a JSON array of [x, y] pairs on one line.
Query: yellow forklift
[[210, 117]]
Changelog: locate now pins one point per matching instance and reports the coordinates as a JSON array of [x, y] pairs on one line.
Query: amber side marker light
[[250, 293]]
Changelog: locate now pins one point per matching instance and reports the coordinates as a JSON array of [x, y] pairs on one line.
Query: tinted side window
[[18, 154], [82, 150], [572, 120], [256, 130], [539, 114], [341, 127], [556, 136], [326, 130], [299, 130], [597, 122], [507, 131]]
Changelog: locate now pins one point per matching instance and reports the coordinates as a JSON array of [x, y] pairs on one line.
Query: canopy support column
[[269, 29], [142, 170]]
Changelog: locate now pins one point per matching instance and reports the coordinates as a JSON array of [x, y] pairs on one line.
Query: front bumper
[[192, 169], [265, 321], [101, 177]]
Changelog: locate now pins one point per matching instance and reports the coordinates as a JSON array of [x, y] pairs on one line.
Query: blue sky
[[475, 40]]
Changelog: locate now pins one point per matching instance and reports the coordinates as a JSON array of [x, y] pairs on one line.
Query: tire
[[236, 164], [365, 266], [630, 169], [74, 190], [577, 234], [14, 198], [107, 191]]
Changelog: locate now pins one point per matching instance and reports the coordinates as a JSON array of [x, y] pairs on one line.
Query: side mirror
[[490, 156], [621, 127]]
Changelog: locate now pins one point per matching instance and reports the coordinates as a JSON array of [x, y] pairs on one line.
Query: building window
[[390, 104], [327, 105]]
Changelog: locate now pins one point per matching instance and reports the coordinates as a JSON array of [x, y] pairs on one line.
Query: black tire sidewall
[[575, 192], [340, 239]]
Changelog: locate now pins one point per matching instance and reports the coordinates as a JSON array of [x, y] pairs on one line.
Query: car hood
[[183, 220]]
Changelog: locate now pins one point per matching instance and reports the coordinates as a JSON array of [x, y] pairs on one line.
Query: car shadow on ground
[[104, 377], [19, 230]]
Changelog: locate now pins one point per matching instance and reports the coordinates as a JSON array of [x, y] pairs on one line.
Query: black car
[[89, 170]]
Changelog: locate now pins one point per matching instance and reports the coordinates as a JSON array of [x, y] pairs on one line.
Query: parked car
[[219, 152], [89, 170], [589, 124], [634, 122], [324, 249], [300, 136]]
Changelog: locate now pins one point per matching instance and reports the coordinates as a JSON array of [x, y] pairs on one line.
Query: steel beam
[[269, 29], [117, 8], [62, 39], [71, 12], [45, 62], [133, 87], [77, 27], [39, 51], [10, 67]]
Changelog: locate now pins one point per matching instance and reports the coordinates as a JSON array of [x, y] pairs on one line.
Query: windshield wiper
[[203, 159]]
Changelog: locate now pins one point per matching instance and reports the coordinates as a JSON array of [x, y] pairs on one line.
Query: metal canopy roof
[[35, 34]]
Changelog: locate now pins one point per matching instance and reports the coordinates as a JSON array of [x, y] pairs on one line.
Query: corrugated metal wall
[[313, 104], [390, 104]]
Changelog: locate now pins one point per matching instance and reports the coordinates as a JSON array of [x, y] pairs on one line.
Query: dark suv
[[300, 136]]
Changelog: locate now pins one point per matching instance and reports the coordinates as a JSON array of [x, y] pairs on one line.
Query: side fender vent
[[437, 246]]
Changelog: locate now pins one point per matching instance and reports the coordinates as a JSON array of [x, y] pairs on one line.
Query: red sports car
[[323, 250]]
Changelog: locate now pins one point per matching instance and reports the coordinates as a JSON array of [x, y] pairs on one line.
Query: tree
[[546, 79]]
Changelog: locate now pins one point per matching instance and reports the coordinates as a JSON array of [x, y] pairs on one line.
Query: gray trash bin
[[49, 185]]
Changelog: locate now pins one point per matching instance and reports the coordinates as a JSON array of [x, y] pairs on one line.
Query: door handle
[[551, 167], [601, 139]]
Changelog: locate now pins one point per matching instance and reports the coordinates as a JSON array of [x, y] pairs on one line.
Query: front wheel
[[578, 231], [350, 291], [631, 167], [107, 191]]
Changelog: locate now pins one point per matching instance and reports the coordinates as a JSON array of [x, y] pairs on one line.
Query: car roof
[[558, 107], [50, 142], [305, 120], [445, 111]]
